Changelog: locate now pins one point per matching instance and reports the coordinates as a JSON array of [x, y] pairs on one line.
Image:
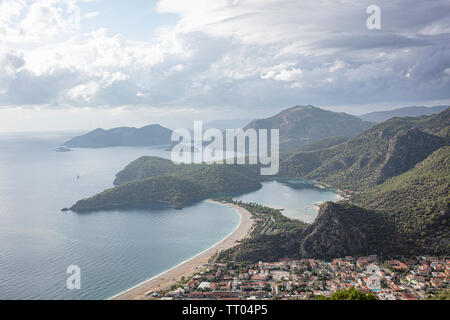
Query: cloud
[[90, 15], [283, 72], [227, 53], [23, 21]]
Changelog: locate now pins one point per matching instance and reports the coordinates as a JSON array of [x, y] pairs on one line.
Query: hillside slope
[[386, 150], [188, 184], [407, 215], [302, 125], [342, 229], [418, 202]]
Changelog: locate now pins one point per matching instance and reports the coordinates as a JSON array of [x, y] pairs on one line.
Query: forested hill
[[418, 202], [399, 168], [147, 167], [384, 151], [184, 185], [302, 125], [406, 215]]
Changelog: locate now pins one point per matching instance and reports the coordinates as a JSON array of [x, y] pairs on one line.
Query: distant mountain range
[[299, 126], [381, 116], [150, 135], [302, 125]]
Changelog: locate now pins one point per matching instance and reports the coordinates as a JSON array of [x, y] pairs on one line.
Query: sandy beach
[[193, 265]]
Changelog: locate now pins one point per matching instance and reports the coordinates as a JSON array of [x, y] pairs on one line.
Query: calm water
[[115, 250], [298, 203]]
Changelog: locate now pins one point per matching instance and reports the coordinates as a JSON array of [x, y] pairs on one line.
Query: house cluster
[[399, 279]]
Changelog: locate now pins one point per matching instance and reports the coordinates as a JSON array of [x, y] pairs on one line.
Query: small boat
[[62, 149]]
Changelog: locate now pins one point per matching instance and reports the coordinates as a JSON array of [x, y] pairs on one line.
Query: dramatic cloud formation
[[229, 53]]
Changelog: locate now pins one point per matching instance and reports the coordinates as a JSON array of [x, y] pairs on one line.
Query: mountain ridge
[[301, 125], [413, 111], [149, 135], [374, 155]]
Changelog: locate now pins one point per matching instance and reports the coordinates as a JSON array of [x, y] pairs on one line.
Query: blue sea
[[115, 250]]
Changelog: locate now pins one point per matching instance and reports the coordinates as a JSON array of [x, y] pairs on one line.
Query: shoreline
[[190, 266]]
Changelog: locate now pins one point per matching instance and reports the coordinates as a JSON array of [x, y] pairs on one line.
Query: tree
[[443, 295], [349, 294]]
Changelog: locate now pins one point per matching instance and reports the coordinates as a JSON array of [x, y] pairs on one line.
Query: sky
[[83, 64]]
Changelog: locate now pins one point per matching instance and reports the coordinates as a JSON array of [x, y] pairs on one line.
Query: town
[[399, 279]]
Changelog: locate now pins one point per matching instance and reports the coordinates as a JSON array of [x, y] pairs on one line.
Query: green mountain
[[418, 203], [386, 150], [272, 238], [167, 183], [402, 207], [99, 138], [381, 116], [147, 167], [399, 168], [302, 125], [406, 215], [342, 229]]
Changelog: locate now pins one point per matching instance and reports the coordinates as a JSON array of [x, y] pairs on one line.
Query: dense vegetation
[[405, 211], [349, 294], [273, 237], [339, 230], [398, 172], [406, 215], [187, 184], [417, 203], [384, 151], [147, 167], [443, 295], [342, 229]]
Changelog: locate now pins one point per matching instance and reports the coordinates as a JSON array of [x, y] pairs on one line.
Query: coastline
[[188, 267]]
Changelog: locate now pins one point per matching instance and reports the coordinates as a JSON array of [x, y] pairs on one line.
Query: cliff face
[[405, 150], [407, 214], [342, 229]]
